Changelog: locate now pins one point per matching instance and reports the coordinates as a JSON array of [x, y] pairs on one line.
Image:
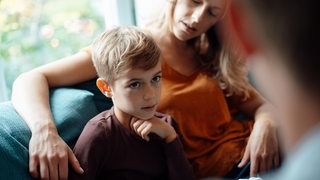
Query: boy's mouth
[[149, 108]]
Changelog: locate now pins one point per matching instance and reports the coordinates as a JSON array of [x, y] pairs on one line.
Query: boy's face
[[136, 92]]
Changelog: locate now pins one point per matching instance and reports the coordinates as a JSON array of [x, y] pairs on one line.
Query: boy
[[131, 140], [282, 39]]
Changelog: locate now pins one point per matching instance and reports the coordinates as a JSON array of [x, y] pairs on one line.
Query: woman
[[202, 82]]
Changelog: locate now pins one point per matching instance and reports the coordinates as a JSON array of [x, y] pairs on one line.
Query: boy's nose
[[149, 92]]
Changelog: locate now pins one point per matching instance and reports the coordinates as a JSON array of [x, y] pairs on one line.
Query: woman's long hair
[[223, 62]]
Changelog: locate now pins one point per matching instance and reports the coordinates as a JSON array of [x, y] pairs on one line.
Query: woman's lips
[[188, 29]]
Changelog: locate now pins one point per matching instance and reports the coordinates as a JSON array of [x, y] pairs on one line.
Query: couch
[[71, 108]]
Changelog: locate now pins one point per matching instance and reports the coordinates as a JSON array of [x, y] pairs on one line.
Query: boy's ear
[[236, 25], [104, 87]]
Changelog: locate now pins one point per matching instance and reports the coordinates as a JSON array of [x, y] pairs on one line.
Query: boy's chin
[[146, 117]]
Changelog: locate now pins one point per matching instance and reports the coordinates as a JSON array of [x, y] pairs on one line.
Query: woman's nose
[[198, 14]]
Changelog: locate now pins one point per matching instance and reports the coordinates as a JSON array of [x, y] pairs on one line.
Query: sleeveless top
[[213, 142]]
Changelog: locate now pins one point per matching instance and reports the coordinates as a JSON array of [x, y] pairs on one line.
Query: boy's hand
[[154, 125]]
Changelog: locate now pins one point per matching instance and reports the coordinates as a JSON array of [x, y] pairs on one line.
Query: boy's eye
[[134, 85], [156, 79]]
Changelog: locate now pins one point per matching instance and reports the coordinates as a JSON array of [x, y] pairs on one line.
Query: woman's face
[[194, 17]]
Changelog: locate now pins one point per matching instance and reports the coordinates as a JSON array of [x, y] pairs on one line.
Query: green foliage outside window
[[34, 32]]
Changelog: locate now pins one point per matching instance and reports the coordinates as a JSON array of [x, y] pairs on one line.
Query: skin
[[191, 19], [135, 94], [48, 152], [190, 14]]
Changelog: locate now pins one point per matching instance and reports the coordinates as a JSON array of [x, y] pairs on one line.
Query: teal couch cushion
[[71, 109]]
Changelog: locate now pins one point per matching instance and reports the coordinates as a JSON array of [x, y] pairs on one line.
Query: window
[[35, 32]]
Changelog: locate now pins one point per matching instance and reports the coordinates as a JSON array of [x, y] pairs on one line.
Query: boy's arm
[[91, 150], [166, 129], [177, 163]]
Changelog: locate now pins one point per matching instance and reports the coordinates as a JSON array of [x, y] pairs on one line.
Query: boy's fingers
[[132, 121], [142, 125], [145, 132], [137, 125]]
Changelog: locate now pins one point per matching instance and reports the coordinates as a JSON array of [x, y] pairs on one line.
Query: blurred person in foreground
[[281, 40]]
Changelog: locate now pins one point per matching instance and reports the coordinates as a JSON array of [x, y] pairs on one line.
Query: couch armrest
[[71, 109]]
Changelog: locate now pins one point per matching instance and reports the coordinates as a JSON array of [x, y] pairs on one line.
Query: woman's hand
[[49, 156], [262, 148], [155, 125]]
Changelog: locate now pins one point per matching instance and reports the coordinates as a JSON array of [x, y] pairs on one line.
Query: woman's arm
[[262, 148], [49, 154]]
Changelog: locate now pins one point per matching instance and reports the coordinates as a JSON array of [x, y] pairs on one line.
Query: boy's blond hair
[[121, 48]]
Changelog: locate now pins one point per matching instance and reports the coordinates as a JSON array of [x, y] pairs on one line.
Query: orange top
[[213, 141]]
